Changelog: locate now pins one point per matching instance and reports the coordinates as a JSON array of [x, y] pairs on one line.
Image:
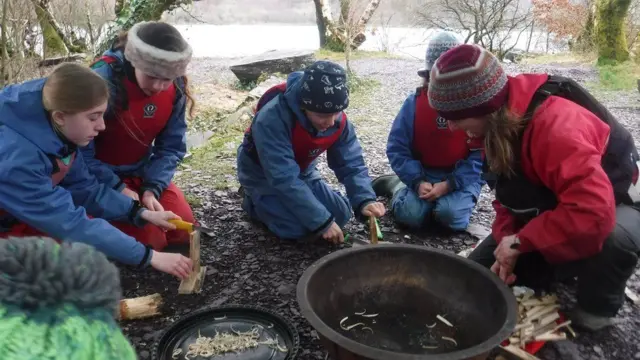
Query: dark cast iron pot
[[396, 292]]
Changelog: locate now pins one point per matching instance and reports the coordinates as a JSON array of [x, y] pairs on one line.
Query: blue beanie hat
[[438, 45], [324, 88]]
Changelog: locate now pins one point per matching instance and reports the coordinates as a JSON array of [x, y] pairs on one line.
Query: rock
[[144, 354], [478, 231], [286, 289], [275, 61], [261, 88]]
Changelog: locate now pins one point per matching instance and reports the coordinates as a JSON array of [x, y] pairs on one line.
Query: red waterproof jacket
[[566, 143]]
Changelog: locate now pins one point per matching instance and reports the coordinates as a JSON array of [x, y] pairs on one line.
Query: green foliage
[[131, 12]]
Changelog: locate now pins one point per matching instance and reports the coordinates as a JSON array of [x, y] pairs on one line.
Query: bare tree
[[332, 32], [490, 23], [633, 24], [4, 44]]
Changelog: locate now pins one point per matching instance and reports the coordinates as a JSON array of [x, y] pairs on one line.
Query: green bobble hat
[[58, 302]]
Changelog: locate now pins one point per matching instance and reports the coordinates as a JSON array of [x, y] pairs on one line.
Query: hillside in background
[[225, 12]]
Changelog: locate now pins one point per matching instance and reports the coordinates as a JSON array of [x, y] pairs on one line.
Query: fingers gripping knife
[[193, 283]]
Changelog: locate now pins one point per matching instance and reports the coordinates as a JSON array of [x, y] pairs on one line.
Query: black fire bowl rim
[[380, 354], [210, 311]]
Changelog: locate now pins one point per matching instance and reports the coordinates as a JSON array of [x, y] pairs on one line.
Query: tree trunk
[[548, 38], [367, 14], [345, 9], [334, 30], [4, 43], [322, 28], [52, 44], [533, 24], [610, 39], [54, 31]]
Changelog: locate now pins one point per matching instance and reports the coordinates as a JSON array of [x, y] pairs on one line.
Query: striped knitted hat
[[58, 302], [467, 81]]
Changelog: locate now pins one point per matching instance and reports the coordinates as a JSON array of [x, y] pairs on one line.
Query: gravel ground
[[247, 265]]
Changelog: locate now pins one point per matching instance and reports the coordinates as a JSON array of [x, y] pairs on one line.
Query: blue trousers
[[270, 210], [452, 210]]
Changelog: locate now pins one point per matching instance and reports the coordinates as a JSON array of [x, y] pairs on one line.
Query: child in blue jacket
[[277, 159], [145, 139], [437, 170], [45, 186]]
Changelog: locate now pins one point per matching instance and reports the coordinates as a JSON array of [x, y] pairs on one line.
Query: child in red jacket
[[565, 179]]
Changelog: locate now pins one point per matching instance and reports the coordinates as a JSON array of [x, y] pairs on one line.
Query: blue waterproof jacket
[[169, 147], [467, 173], [279, 174], [27, 139]]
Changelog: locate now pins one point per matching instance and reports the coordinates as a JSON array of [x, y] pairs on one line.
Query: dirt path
[[247, 265]]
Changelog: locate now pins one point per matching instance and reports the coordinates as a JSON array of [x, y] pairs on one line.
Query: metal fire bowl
[[407, 286]]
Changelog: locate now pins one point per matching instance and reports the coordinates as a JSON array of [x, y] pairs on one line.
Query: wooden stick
[[373, 232], [140, 307], [194, 282], [551, 337]]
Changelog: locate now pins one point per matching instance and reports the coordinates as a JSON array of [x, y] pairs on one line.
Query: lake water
[[228, 41]]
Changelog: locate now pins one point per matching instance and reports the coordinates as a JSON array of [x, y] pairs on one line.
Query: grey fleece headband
[[153, 61]]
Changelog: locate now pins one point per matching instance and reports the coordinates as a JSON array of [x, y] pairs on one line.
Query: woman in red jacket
[[565, 180]]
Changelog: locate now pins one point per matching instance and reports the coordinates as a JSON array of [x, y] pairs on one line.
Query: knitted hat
[[57, 302], [158, 49], [324, 88], [467, 81], [438, 45]]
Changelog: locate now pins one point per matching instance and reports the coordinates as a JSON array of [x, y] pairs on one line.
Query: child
[[145, 138], [437, 169], [276, 161], [45, 186], [67, 314]]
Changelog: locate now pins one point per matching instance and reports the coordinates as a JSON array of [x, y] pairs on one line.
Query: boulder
[[249, 69]]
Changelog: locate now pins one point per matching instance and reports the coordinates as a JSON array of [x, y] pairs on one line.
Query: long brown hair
[[501, 140], [73, 88], [121, 42]]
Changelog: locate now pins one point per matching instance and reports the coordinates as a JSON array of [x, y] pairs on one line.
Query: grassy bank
[[611, 77], [324, 54]]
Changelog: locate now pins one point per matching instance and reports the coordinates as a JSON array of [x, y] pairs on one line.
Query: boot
[[588, 321], [387, 185]]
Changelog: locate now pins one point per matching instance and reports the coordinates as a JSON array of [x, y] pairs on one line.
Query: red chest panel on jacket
[[307, 148], [130, 132], [63, 165], [433, 143]]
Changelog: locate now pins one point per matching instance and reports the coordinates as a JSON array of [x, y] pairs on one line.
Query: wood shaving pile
[[537, 319], [228, 342]]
